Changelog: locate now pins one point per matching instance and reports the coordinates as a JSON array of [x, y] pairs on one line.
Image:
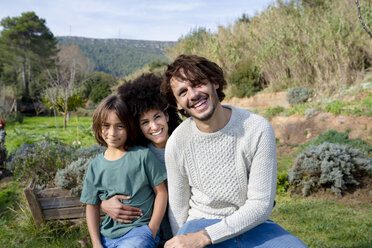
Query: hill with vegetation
[[118, 57], [314, 44]]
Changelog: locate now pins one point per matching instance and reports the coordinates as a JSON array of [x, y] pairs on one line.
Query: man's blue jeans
[[266, 235], [138, 237]]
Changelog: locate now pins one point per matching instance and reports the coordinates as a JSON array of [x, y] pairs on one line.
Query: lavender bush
[[39, 161], [329, 165], [72, 176]]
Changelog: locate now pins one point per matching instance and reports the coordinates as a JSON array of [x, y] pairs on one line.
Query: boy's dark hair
[[116, 104], [143, 94], [197, 70]]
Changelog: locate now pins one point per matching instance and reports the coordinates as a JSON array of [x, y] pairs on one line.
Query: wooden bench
[[53, 204]]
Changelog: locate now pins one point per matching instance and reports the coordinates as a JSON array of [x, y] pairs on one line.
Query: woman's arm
[[160, 205], [92, 215], [119, 211]]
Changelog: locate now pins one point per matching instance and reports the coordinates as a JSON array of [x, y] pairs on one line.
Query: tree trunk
[[24, 77], [64, 119]]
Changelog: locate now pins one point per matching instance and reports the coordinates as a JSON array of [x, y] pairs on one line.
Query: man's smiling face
[[197, 100]]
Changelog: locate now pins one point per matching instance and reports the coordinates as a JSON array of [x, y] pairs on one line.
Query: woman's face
[[154, 125]]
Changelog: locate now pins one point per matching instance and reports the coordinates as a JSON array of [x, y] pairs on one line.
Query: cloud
[[139, 19]]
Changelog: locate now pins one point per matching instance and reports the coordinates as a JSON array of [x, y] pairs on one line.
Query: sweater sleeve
[[261, 191], [178, 187]]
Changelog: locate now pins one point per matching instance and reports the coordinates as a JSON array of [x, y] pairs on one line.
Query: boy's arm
[[160, 205], [92, 215]]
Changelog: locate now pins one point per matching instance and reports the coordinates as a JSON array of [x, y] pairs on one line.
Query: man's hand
[[119, 211], [191, 240]]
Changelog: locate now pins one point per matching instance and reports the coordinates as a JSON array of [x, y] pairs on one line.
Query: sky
[[162, 20]]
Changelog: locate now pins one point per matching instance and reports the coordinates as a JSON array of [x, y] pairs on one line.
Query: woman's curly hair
[[143, 94]]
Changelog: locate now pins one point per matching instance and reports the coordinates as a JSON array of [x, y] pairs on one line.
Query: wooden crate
[[53, 204]]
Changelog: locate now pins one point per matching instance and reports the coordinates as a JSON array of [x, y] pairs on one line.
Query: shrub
[[271, 112], [246, 81], [38, 161], [328, 165], [342, 138], [98, 86], [299, 95], [72, 176], [334, 107], [89, 152], [282, 181], [15, 117]]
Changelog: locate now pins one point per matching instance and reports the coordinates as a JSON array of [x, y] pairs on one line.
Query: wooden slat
[[64, 213], [59, 202], [34, 206], [52, 192]]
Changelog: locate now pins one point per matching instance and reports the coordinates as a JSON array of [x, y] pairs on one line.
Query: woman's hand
[[119, 211]]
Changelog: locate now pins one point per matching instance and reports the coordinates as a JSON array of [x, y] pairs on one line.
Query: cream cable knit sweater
[[228, 175]]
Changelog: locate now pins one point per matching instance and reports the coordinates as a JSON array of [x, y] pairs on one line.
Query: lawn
[[79, 129]]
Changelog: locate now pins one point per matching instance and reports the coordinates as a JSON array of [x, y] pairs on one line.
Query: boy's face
[[198, 101], [114, 132]]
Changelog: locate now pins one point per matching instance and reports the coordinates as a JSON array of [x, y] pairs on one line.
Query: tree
[[70, 71], [98, 86], [27, 45]]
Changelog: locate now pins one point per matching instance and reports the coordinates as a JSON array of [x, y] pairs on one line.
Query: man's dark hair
[[117, 105], [143, 94], [197, 70]]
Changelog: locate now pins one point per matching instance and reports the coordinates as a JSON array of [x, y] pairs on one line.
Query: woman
[[156, 121]]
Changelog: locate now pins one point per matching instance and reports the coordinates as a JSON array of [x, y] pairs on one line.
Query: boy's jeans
[[138, 237]]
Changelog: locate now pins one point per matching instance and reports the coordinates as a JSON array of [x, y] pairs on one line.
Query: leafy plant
[[38, 161], [299, 95], [328, 165], [271, 112], [72, 176], [335, 107], [246, 81], [282, 181], [342, 138]]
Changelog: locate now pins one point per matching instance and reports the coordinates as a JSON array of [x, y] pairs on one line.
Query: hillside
[[118, 57]]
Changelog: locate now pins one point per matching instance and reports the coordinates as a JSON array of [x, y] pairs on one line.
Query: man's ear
[[216, 86]]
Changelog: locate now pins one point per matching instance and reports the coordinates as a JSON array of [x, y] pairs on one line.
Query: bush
[[334, 107], [246, 81], [299, 95], [38, 161], [98, 86], [342, 138], [282, 181], [328, 165], [72, 176], [271, 112]]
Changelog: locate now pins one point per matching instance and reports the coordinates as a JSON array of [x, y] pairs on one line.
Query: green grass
[[317, 222], [18, 230], [37, 128], [325, 223]]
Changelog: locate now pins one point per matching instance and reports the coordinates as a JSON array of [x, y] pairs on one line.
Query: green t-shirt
[[135, 175]]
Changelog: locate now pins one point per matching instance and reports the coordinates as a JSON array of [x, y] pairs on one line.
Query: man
[[221, 165]]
